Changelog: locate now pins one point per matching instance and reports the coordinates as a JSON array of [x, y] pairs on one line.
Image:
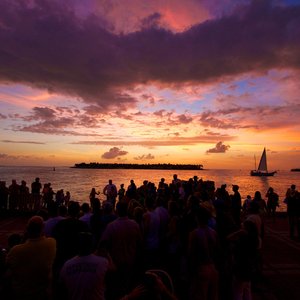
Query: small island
[[94, 165], [295, 170]]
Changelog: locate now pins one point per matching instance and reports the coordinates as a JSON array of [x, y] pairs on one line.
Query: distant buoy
[[53, 168]]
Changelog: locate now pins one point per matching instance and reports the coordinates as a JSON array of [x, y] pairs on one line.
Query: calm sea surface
[[80, 181]]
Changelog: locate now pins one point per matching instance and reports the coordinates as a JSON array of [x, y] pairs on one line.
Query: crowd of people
[[18, 197], [182, 240]]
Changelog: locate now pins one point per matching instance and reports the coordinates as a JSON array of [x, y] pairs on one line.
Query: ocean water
[[79, 182]]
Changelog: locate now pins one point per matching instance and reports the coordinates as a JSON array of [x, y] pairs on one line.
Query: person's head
[[162, 180], [149, 202], [122, 209], [85, 207], [175, 176], [85, 243], [257, 195], [193, 202], [203, 215], [107, 207], [110, 181], [35, 227], [52, 208], [62, 210], [122, 185], [252, 231], [293, 186], [73, 209], [156, 283], [37, 179], [235, 187], [14, 239], [250, 227], [138, 214], [271, 190]]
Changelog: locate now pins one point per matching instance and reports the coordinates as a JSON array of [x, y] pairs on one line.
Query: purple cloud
[[44, 44], [219, 148], [113, 153]]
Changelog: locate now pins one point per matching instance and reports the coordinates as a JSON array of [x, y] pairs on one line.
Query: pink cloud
[[219, 148], [113, 153]]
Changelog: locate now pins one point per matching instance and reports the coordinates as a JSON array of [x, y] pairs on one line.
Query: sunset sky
[[207, 82]]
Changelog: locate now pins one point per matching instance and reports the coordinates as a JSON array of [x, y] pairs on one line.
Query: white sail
[[263, 162]]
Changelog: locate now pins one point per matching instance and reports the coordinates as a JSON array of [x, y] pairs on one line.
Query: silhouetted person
[[66, 234], [122, 239], [3, 196], [83, 276], [121, 192], [203, 253], [36, 187], [131, 190], [110, 191], [14, 193], [245, 252], [24, 196], [93, 196], [293, 210], [272, 202], [236, 205], [30, 264]]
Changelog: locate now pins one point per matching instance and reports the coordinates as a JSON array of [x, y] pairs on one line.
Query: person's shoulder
[[16, 249], [50, 242], [98, 258]]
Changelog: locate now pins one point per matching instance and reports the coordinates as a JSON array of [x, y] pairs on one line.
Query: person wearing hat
[[29, 264]]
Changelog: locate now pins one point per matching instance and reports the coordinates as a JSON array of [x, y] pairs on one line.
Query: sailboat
[[262, 169]]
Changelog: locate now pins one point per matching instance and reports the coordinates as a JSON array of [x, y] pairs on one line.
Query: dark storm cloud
[[219, 148], [113, 153], [45, 45]]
